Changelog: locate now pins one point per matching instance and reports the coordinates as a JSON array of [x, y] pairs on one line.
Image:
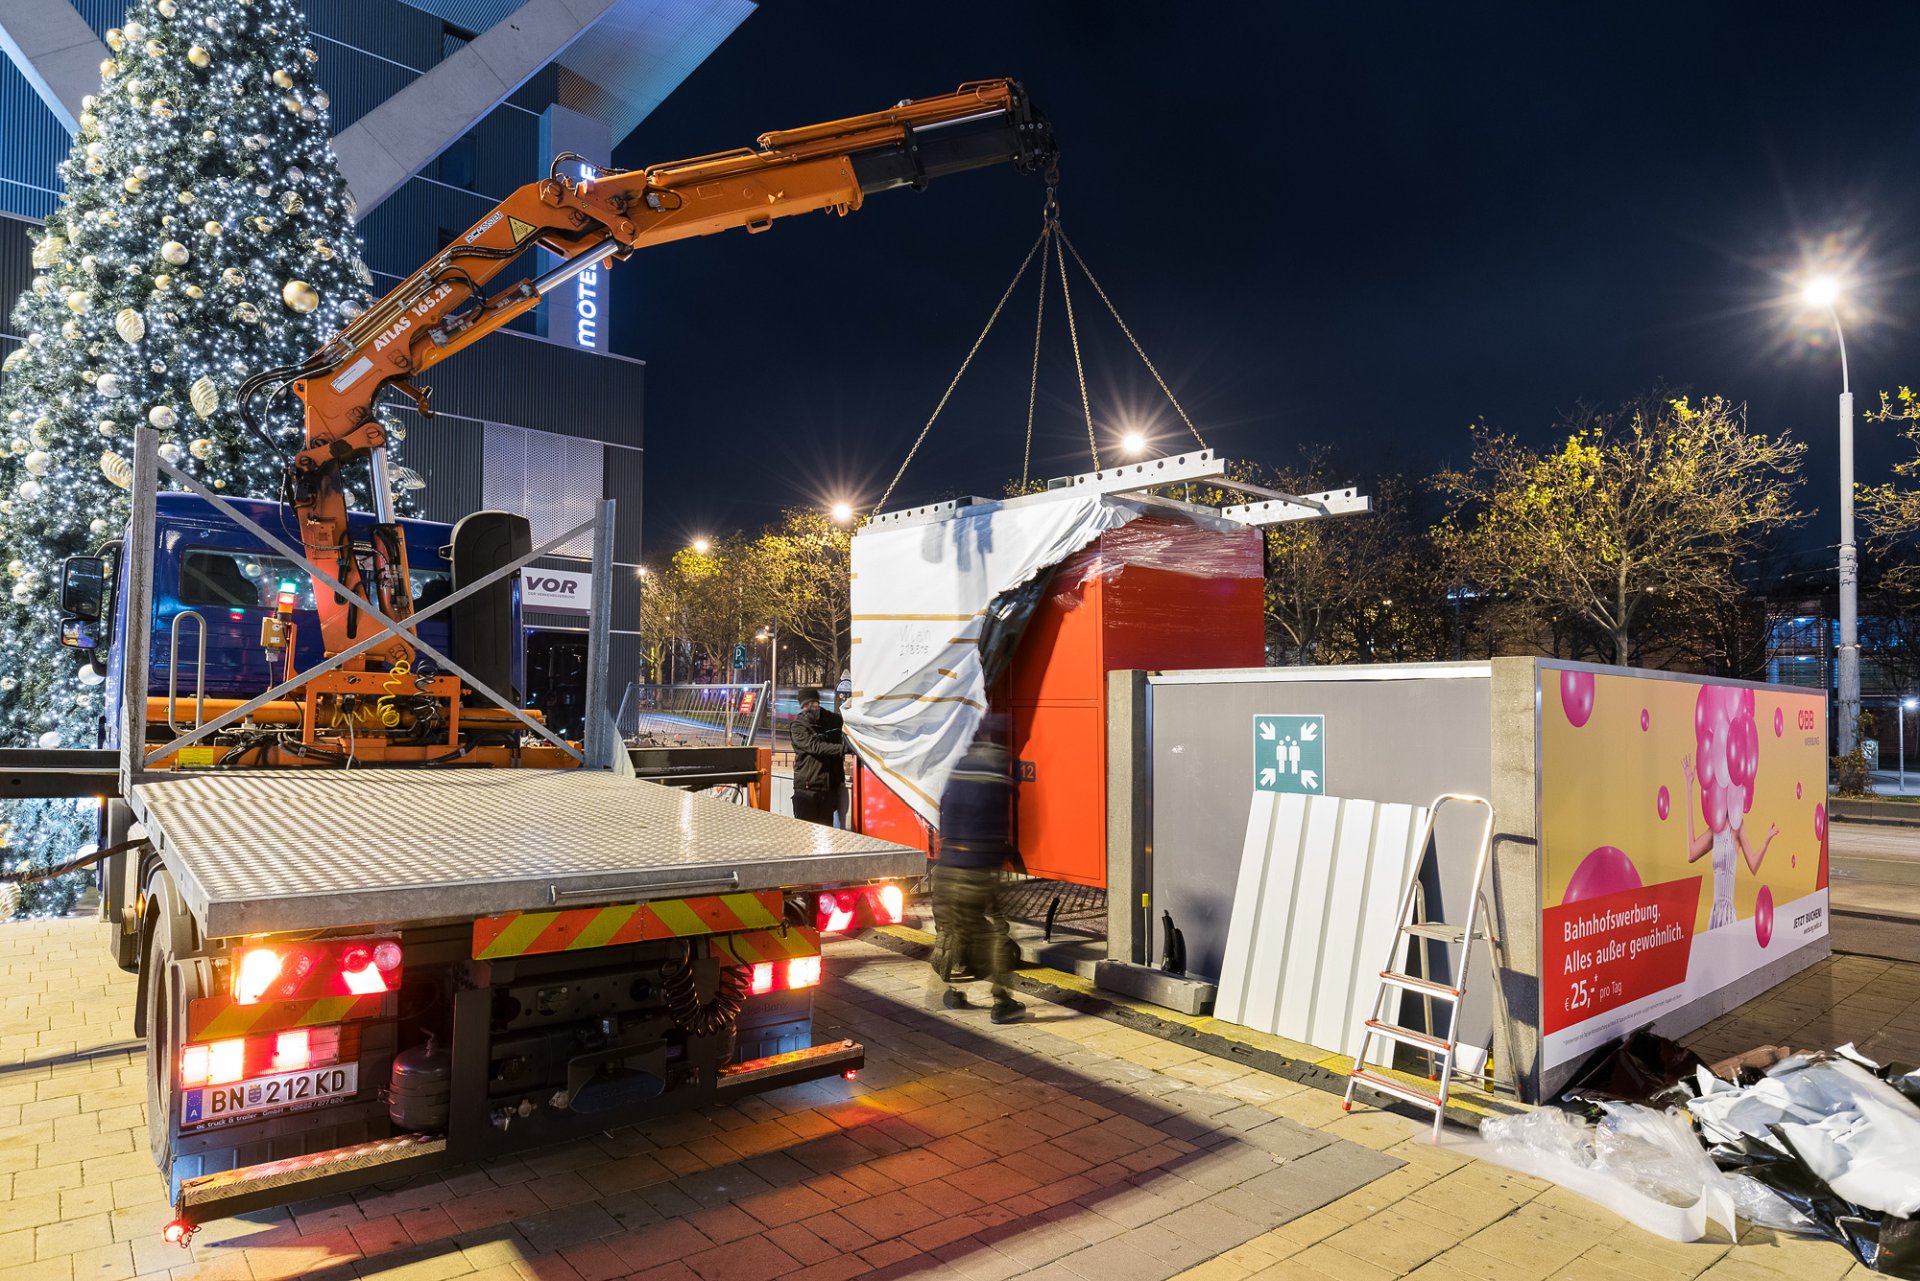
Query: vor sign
[[556, 591], [1290, 754]]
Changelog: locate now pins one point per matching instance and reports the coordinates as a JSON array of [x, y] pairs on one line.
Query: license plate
[[269, 1093]]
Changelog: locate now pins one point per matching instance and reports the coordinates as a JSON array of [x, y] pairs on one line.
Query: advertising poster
[[1683, 833]]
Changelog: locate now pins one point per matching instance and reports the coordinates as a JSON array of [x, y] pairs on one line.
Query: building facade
[[439, 112]]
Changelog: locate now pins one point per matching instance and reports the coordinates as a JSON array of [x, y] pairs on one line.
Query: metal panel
[[1317, 902], [625, 472], [407, 846], [447, 452], [534, 383], [34, 145]]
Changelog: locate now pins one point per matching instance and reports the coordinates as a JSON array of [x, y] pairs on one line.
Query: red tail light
[[308, 971], [843, 910], [240, 1057], [762, 981], [178, 1232], [803, 971], [292, 1051]]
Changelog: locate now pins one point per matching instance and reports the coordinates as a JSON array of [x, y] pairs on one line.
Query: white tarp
[[920, 596]]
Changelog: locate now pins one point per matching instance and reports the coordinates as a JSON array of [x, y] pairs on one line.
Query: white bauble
[[116, 40], [170, 452], [116, 469], [108, 427], [15, 568], [79, 303], [295, 173], [96, 167], [233, 277], [212, 228], [130, 325], [204, 396], [133, 184], [96, 526], [109, 385], [70, 330], [175, 252], [201, 448], [135, 31], [162, 417], [37, 462], [292, 104], [30, 489], [162, 108], [321, 101], [162, 283], [50, 741], [155, 49], [97, 150], [199, 57], [167, 8]]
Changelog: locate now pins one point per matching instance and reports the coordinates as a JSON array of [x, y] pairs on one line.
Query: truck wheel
[[163, 1052]]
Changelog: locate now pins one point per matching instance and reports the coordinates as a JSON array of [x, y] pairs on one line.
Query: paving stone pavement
[[1068, 1148], [1870, 1001]]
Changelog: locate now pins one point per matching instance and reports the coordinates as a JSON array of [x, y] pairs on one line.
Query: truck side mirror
[[83, 589], [78, 633]]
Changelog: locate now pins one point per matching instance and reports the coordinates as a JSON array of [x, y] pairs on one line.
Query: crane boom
[[446, 305]]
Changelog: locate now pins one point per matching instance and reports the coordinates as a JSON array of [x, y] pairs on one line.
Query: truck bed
[[261, 852]]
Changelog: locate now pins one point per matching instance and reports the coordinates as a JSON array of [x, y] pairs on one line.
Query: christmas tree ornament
[[162, 416], [50, 741], [89, 121], [38, 432], [46, 251], [219, 482], [142, 172], [155, 49], [262, 189], [37, 462], [28, 490], [308, 113], [97, 150], [292, 104], [89, 264], [175, 252], [79, 303], [96, 167], [193, 291], [162, 283], [199, 57], [162, 109], [116, 469], [246, 313], [295, 173], [204, 396], [109, 68], [208, 135], [283, 78], [183, 197], [234, 277], [323, 249], [292, 203], [300, 296], [129, 325], [116, 39], [16, 567], [167, 8], [312, 56], [18, 446], [262, 224], [170, 452], [107, 427], [133, 184], [70, 330], [109, 385], [201, 449], [96, 526], [83, 701], [321, 100], [136, 31], [212, 228]]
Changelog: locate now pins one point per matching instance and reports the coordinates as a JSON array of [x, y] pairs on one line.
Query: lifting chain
[[1137, 349]]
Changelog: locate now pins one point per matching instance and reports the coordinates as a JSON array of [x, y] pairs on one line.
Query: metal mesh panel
[[690, 715], [554, 481]]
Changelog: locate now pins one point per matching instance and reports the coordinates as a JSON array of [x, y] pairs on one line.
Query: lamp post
[[1907, 704], [1824, 292], [771, 634]]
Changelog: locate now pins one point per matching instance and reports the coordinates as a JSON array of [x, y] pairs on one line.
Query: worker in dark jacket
[[976, 841], [819, 760]]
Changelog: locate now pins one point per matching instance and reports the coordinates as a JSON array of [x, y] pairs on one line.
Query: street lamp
[[1824, 292], [842, 513], [1907, 704], [771, 634], [701, 546], [1134, 443]]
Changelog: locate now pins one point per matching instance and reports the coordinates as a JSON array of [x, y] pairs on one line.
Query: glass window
[[238, 580]]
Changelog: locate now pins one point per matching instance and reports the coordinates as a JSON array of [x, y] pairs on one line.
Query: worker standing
[[976, 827], [819, 760]]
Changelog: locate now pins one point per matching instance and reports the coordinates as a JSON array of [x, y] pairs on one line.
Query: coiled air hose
[[689, 1012], [389, 710]]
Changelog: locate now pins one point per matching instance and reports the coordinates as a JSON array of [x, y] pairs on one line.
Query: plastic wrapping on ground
[[1632, 1164], [1638, 1068]]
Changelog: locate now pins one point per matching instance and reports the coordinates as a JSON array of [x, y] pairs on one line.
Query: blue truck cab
[[211, 573]]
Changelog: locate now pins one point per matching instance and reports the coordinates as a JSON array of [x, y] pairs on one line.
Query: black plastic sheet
[[1638, 1068], [1886, 1243]]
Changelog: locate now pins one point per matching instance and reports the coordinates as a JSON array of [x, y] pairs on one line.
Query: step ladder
[[1411, 939]]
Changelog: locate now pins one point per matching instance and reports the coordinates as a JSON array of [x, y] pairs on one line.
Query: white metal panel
[[1314, 914]]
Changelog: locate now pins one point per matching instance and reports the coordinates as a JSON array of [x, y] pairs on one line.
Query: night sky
[[1329, 224]]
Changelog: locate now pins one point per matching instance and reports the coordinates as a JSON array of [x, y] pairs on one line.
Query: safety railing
[[149, 466], [691, 715]]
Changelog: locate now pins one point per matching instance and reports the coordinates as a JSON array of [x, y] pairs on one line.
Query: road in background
[[1874, 889]]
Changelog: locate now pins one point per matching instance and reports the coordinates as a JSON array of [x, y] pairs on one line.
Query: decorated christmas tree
[[205, 234]]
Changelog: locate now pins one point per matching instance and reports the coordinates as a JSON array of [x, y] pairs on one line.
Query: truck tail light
[[803, 971], [308, 971], [841, 911], [762, 979], [193, 1065], [226, 1061], [292, 1051]]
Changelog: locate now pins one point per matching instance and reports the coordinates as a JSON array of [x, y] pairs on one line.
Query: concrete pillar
[[1516, 873], [55, 50], [396, 140]]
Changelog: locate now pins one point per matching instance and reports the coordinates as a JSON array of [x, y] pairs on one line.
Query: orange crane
[[446, 305]]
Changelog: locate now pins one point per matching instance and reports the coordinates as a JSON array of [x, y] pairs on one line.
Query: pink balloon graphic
[[1662, 804], [1645, 720], [1743, 751], [1605, 871], [1763, 916], [1820, 822], [1713, 806], [1742, 704], [1779, 721], [1576, 697]]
